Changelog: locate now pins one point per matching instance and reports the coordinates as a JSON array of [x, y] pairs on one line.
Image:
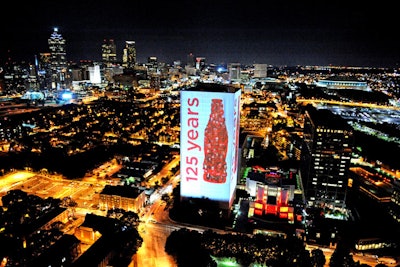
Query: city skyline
[[289, 33]]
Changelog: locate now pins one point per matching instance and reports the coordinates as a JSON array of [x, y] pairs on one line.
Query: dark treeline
[[191, 248], [55, 160]]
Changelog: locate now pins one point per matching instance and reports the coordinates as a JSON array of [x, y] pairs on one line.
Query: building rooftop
[[213, 87], [119, 190], [342, 78], [325, 118]]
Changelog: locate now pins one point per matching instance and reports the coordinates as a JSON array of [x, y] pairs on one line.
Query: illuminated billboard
[[209, 144]]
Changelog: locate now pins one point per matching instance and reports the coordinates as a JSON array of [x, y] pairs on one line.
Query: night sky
[[272, 32]]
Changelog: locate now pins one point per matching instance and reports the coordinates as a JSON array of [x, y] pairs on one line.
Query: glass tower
[[58, 60], [129, 55], [109, 52], [327, 149]]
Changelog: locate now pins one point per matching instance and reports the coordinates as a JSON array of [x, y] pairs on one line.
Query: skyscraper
[[44, 71], [129, 55], [210, 117], [327, 148], [109, 52], [234, 70], [152, 65], [260, 70], [58, 62], [190, 61], [94, 74], [200, 63]]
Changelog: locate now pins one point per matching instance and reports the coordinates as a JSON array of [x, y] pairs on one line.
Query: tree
[[317, 258], [341, 256]]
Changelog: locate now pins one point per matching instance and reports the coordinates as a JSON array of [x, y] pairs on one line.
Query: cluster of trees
[[77, 165], [191, 248]]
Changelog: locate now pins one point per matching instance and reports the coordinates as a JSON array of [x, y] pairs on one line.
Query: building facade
[[326, 155], [120, 197], [129, 55], [152, 65], [234, 70], [210, 116], [109, 52], [260, 70], [200, 63], [58, 61]]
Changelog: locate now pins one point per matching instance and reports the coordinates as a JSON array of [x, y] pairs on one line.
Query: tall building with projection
[[109, 52], [129, 55], [58, 61], [326, 155], [209, 137]]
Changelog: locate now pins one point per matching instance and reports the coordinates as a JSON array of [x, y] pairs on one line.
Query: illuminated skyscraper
[[44, 70], [155, 81], [210, 117], [152, 65], [109, 52], [129, 55], [94, 74], [58, 62], [328, 144]]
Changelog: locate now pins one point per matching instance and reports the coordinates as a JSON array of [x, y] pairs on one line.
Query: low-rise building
[[122, 197]]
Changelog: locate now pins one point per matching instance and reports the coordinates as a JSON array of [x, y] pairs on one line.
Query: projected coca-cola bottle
[[215, 144]]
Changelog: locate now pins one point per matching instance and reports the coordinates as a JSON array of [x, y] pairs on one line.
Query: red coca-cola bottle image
[[215, 144]]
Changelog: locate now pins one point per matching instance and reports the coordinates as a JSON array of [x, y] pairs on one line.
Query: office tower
[[44, 70], [58, 62], [190, 61], [260, 70], [200, 63], [326, 155], [32, 71], [109, 52], [94, 74], [210, 117], [234, 71], [155, 81], [129, 55], [152, 65]]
